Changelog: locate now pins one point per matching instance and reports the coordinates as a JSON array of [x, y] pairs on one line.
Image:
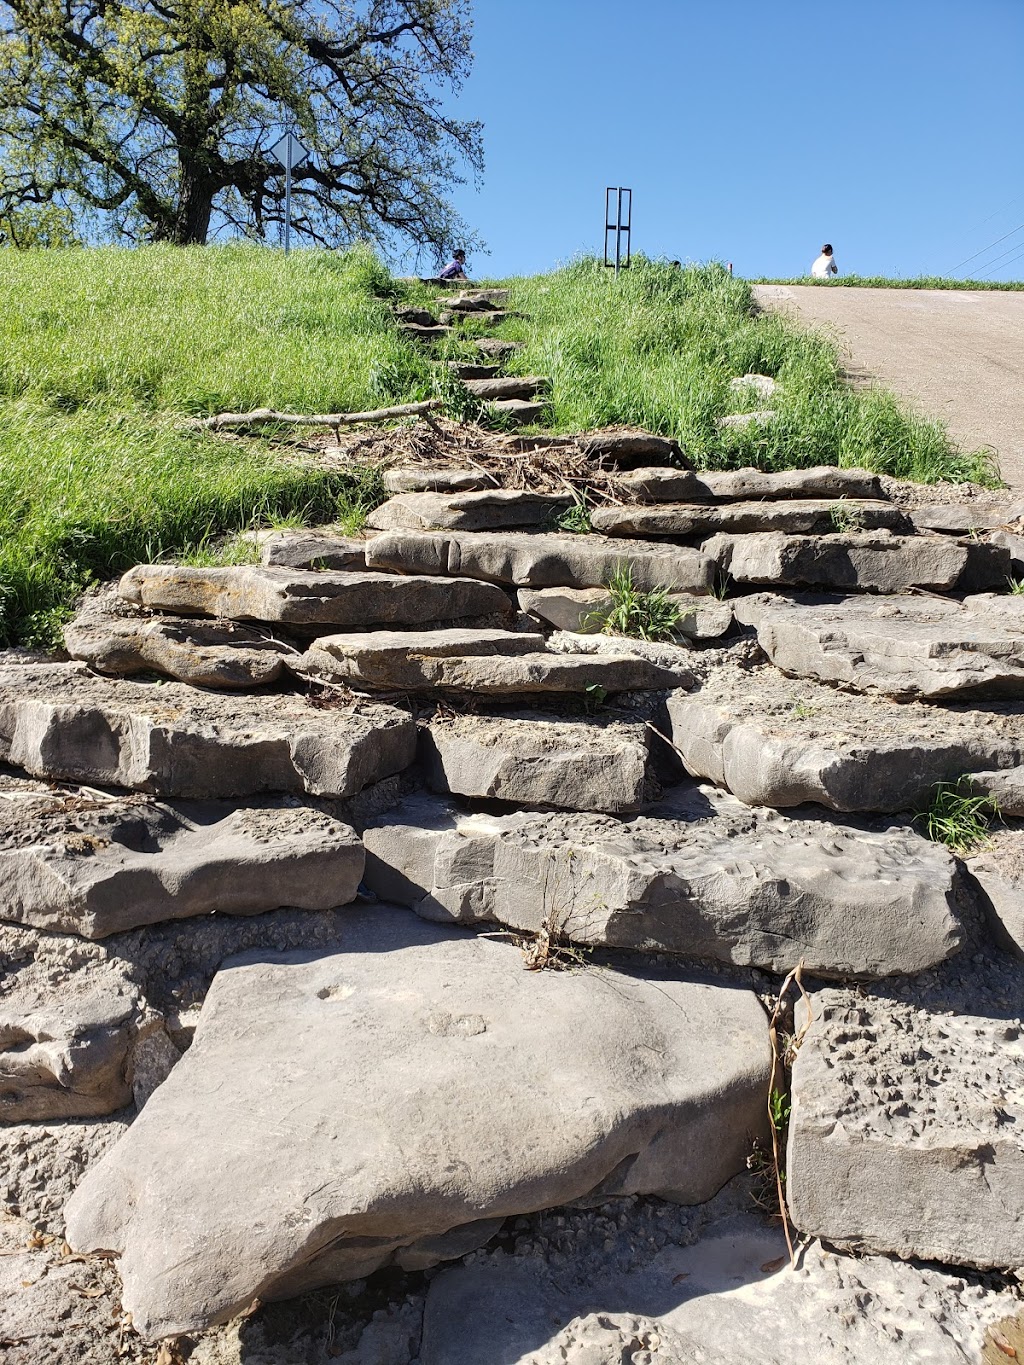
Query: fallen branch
[[334, 420], [778, 1074]]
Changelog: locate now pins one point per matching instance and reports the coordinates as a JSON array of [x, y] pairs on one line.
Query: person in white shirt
[[825, 266]]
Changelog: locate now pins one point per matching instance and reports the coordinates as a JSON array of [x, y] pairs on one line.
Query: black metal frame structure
[[621, 226]]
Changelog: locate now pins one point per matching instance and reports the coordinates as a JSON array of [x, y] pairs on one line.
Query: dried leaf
[[92, 1293], [678, 1279], [1001, 1343], [169, 1354], [38, 1240], [770, 1267]]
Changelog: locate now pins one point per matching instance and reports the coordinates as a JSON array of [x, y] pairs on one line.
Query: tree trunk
[[192, 217]]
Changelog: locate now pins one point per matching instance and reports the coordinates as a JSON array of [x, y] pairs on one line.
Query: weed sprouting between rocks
[[643, 615], [957, 816]]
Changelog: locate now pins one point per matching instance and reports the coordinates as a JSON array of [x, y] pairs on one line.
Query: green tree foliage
[[156, 117]]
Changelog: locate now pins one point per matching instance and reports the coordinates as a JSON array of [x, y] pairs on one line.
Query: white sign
[[289, 151]]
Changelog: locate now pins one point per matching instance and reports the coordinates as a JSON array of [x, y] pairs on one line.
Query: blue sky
[[751, 131]]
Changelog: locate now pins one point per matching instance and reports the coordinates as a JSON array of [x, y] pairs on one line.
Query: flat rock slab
[[964, 518], [999, 870], [306, 549], [866, 562], [672, 657], [798, 516], [697, 874], [822, 481], [421, 479], [535, 760], [68, 1054], [518, 412], [496, 347], [583, 610], [61, 721], [630, 447], [491, 663], [543, 561], [777, 741], [94, 865], [413, 1084], [902, 646], [525, 386], [117, 638], [905, 1134], [496, 509], [308, 600], [656, 483]]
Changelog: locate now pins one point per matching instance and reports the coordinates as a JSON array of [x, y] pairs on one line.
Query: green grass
[[883, 282], [957, 817], [107, 354], [643, 615]]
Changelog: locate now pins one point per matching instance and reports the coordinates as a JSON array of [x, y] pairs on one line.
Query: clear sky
[[752, 131]]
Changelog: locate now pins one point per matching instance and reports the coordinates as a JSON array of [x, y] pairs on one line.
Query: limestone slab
[[697, 874], [543, 560], [964, 518], [494, 663], [905, 1134], [797, 516], [629, 447], [519, 412], [861, 561], [304, 549], [656, 483], [581, 610], [821, 481], [776, 741], [491, 510], [309, 600], [900, 645], [96, 865], [60, 720], [762, 384], [507, 386], [116, 638], [422, 479], [998, 868], [496, 347], [416, 1082], [741, 421], [539, 760]]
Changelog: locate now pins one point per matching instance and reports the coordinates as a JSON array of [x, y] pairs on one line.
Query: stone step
[[117, 638], [419, 332], [490, 510], [536, 760], [462, 370], [821, 481], [508, 386], [519, 412], [61, 721], [778, 741], [490, 663], [542, 561], [497, 347], [696, 874], [295, 549], [475, 300], [421, 479], [312, 601], [583, 610], [95, 866], [418, 1085], [795, 517], [741, 421], [867, 562], [418, 317], [629, 448], [902, 646], [998, 870], [962, 519], [904, 1133]]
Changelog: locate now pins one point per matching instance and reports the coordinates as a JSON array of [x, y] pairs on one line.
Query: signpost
[[291, 153]]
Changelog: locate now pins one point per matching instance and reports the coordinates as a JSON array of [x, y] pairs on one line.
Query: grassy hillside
[[917, 282], [105, 355]]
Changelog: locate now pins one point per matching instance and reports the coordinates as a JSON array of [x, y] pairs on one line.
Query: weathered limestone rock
[[860, 561], [697, 874], [542, 561], [59, 720], [761, 384], [94, 866], [68, 1054], [823, 481], [416, 1083], [903, 646], [304, 549], [420, 316], [739, 421], [674, 658], [629, 448], [1006, 786], [463, 370], [476, 300], [799, 516], [963, 518], [309, 600], [117, 638], [525, 386], [999, 871], [661, 484], [535, 760], [775, 741], [905, 1135], [494, 509], [420, 479], [581, 610], [486, 662], [519, 411], [496, 347], [1013, 543], [425, 333]]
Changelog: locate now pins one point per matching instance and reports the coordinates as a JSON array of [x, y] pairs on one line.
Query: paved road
[[957, 354]]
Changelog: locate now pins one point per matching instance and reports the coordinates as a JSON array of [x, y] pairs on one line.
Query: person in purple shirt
[[456, 269]]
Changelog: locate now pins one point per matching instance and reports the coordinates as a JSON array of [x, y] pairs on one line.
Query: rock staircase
[[427, 720]]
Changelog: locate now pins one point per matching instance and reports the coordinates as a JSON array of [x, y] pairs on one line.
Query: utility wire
[[978, 226], [996, 259], [1006, 266], [989, 247]]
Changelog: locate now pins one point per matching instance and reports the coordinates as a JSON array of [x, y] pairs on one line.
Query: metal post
[[621, 225], [288, 197]]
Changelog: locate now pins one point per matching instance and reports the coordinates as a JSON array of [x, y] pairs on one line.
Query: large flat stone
[[543, 561], [999, 870], [799, 516], [308, 600], [822, 481], [656, 483], [507, 386], [862, 561], [494, 509], [905, 1135], [97, 865], [423, 479], [539, 760], [581, 610], [630, 447], [117, 638], [309, 549], [337, 1111], [965, 518], [60, 720], [902, 646], [776, 741], [697, 874]]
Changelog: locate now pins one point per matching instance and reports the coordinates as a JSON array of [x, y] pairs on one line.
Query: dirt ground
[[955, 354]]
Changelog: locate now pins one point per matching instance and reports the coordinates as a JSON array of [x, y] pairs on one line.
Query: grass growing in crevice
[[957, 816], [642, 615]]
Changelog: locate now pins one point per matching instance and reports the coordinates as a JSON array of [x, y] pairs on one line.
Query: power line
[[989, 247], [1006, 266], [971, 231], [996, 259]]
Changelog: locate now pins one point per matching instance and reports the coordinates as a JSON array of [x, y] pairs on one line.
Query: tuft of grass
[[576, 519], [957, 817], [846, 516], [1015, 586], [642, 615]]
